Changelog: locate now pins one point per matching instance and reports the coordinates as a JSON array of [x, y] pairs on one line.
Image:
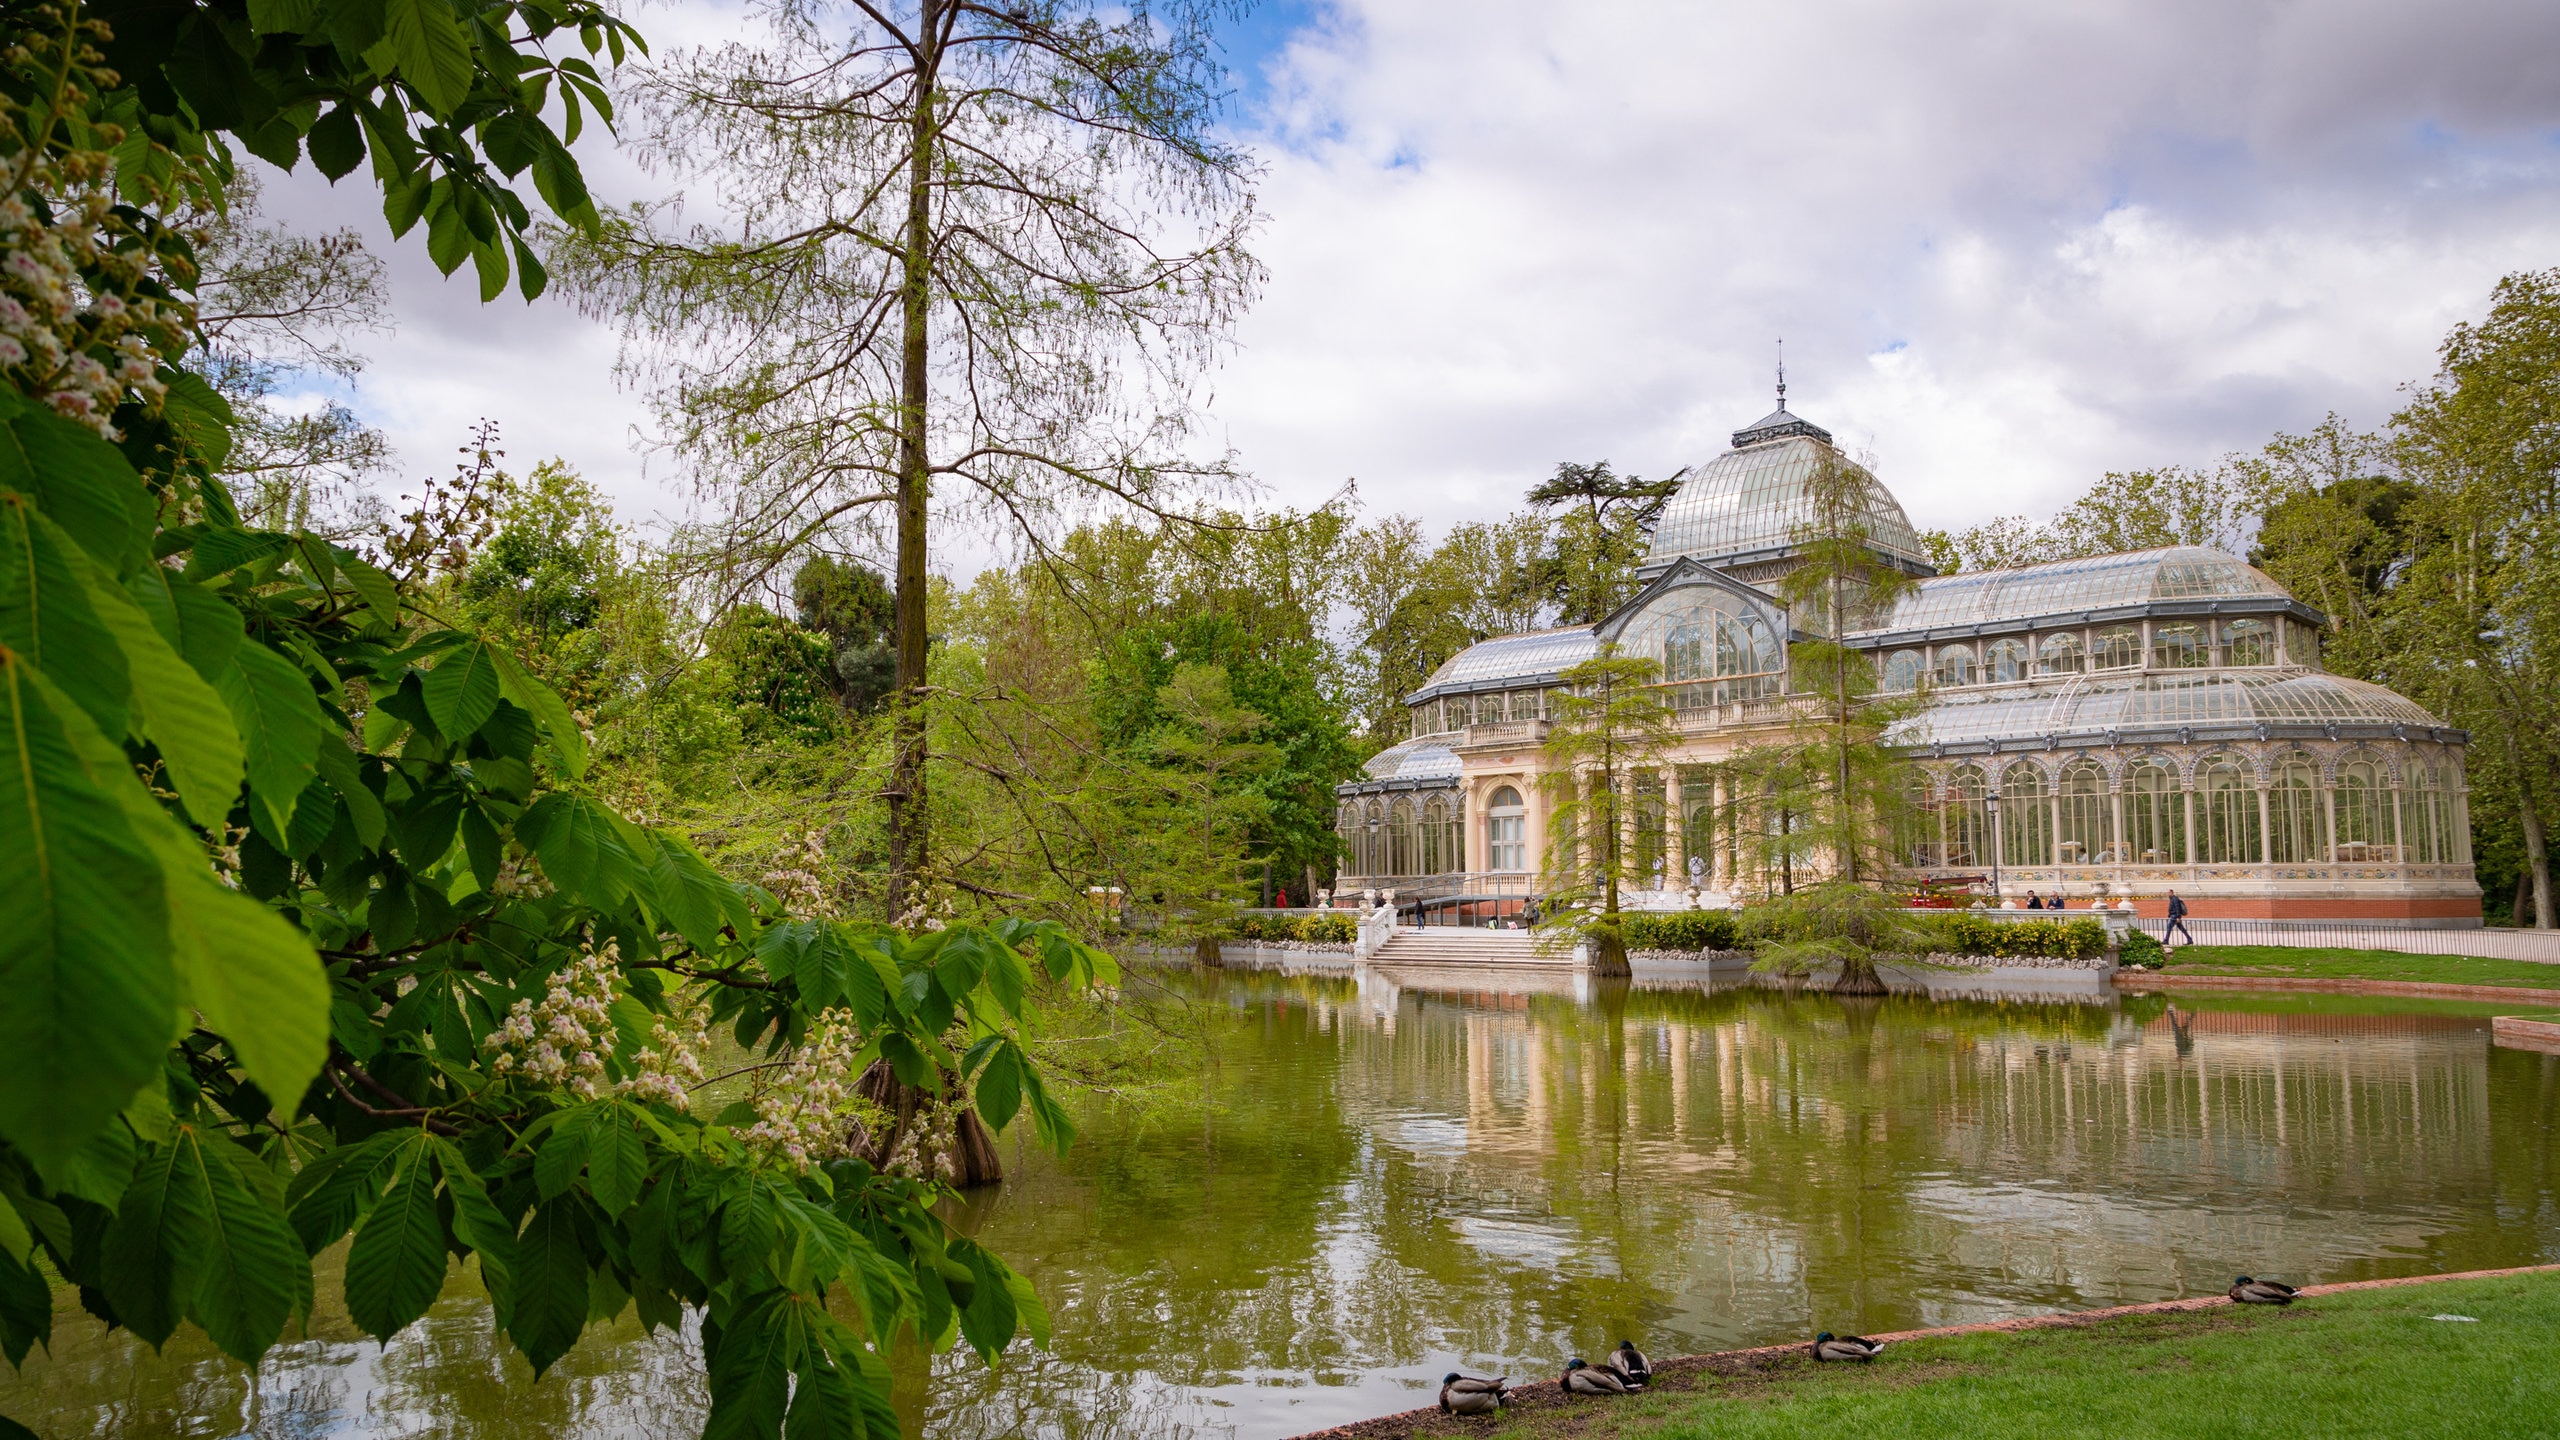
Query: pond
[[1400, 1177]]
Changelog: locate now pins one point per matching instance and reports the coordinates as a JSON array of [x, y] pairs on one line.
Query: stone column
[[2187, 798], [2329, 819], [2266, 832]]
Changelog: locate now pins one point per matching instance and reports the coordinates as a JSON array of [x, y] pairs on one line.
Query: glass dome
[[1753, 499], [2096, 705], [2066, 587]]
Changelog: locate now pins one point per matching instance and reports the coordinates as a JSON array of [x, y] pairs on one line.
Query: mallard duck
[[1581, 1379], [2262, 1292], [1631, 1365], [1827, 1346], [1467, 1395]]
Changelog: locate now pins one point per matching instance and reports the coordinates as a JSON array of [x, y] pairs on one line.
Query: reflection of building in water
[[2116, 725], [1755, 1145]]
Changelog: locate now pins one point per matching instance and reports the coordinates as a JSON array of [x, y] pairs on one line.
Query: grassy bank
[[2303, 962], [2368, 1362]]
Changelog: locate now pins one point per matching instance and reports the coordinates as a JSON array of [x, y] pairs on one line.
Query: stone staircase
[[1459, 945]]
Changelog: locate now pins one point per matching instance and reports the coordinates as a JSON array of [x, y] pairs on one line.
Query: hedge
[[2069, 939], [1682, 930], [1326, 929]]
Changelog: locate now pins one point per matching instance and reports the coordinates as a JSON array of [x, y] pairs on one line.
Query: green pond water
[[1399, 1178]]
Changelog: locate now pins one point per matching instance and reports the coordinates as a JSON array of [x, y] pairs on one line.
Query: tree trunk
[[1609, 947], [974, 1160], [1858, 977], [2537, 848], [1205, 950], [906, 792]]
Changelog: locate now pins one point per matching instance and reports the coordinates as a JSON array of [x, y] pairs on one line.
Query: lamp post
[[1991, 805]]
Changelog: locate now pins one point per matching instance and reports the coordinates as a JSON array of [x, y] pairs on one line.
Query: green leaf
[[254, 1270], [691, 896], [825, 1404], [209, 627], [582, 848], [84, 928], [48, 617], [547, 709], [78, 480], [550, 1283], [751, 1370], [433, 55], [257, 980], [175, 709], [271, 17], [279, 717], [154, 1251], [197, 411], [1027, 1307], [337, 141], [563, 1153], [375, 588], [396, 1266], [478, 1223], [334, 1191], [617, 1162], [337, 765], [462, 691], [1000, 1086]]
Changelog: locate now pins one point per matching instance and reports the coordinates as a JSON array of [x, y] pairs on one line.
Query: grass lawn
[[2306, 963], [2367, 1362]]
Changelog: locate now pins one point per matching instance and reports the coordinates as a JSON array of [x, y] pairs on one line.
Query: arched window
[[2293, 811], [1955, 665], [2116, 649], [2059, 655], [2301, 644], [1747, 657], [2088, 822], [1688, 647], [1968, 817], [1400, 837], [2004, 661], [2155, 813], [1506, 831], [2026, 817], [2179, 646], [1915, 825], [1698, 820], [2227, 812], [2361, 804], [1435, 838], [2248, 642], [2429, 814], [1373, 840], [1902, 671]]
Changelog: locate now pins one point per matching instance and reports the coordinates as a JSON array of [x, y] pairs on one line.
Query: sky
[[2009, 246]]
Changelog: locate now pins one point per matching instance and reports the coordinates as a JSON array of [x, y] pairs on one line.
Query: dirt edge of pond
[[1676, 1375]]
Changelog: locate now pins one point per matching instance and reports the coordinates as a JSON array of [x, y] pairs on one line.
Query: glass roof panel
[[1515, 657], [1753, 499], [1420, 758], [2102, 582], [2095, 705]]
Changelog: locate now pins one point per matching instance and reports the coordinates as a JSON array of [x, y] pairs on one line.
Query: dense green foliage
[[313, 923]]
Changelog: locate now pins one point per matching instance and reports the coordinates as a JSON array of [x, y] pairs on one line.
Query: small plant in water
[[1838, 922]]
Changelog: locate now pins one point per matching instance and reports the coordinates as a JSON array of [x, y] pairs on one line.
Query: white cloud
[[2010, 246]]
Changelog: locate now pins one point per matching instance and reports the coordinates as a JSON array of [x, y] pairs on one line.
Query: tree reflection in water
[[1404, 1176]]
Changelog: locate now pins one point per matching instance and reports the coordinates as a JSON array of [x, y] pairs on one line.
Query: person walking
[[2177, 921]]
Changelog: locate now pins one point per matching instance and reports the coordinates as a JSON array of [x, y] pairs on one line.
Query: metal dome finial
[[1782, 372]]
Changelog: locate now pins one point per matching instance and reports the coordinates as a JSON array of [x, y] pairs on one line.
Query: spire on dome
[[1782, 373]]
